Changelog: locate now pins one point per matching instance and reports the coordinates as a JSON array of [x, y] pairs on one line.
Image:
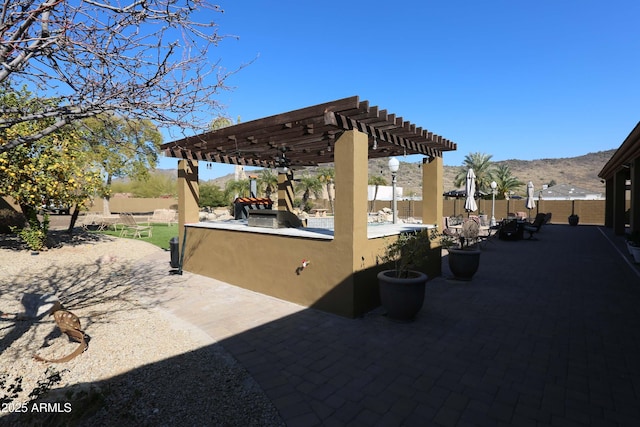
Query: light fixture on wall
[[375, 142]]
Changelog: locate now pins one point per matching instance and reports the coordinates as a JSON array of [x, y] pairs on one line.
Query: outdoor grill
[[242, 205]]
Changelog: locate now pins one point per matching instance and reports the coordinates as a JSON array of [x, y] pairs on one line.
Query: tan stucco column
[[188, 194], [286, 195], [351, 169], [432, 187], [619, 193]]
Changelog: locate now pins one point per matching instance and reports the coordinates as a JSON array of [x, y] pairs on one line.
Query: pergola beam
[[306, 136]]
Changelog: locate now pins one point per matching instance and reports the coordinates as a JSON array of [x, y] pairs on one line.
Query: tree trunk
[[74, 218], [329, 196], [106, 210], [375, 196]]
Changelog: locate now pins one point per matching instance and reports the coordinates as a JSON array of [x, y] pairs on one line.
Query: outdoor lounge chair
[[167, 216], [88, 220], [534, 227], [132, 228]]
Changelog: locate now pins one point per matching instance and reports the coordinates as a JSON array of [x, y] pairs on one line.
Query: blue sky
[[512, 78]]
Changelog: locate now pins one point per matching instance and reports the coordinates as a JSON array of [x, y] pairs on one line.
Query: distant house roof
[[568, 192]]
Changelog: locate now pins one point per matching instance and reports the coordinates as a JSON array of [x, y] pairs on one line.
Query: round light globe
[[394, 164], [494, 185]]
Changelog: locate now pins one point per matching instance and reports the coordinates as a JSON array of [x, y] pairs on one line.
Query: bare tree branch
[[146, 59]]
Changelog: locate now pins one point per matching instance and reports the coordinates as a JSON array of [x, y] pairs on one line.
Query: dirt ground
[[59, 222]]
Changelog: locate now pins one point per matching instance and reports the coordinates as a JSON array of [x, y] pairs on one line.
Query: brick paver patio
[[547, 333]]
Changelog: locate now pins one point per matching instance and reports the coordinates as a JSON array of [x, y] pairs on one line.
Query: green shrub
[[35, 236]]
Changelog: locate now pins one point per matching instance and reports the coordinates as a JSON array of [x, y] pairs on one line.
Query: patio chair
[[88, 219], [163, 216], [445, 229], [132, 228], [510, 230], [534, 227]]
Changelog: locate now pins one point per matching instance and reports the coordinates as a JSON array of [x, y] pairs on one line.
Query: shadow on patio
[[547, 333]]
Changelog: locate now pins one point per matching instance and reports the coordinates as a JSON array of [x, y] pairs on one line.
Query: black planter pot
[[402, 297], [573, 220], [464, 263]]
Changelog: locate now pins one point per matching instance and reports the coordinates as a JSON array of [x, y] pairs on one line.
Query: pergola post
[[286, 195], [351, 169], [432, 187], [188, 195]]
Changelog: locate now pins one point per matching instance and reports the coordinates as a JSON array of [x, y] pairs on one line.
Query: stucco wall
[[134, 204], [270, 264], [590, 211]]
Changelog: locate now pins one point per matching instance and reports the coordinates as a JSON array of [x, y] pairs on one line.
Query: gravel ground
[[143, 366]]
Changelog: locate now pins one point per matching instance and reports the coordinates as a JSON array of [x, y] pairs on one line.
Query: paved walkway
[[547, 333]]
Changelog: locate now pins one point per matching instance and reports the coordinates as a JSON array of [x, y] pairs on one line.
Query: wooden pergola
[[345, 261], [307, 137]]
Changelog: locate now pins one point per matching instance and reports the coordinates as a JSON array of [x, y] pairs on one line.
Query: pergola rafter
[[305, 137]]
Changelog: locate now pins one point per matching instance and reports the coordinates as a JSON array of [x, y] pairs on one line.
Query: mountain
[[581, 171]]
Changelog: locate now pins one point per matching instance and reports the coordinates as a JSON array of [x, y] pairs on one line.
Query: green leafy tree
[[308, 185], [377, 181], [211, 195], [327, 176], [506, 181], [268, 182], [55, 171], [121, 147], [482, 168], [156, 184]]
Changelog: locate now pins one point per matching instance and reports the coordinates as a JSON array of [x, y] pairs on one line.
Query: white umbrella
[[470, 202], [530, 202]]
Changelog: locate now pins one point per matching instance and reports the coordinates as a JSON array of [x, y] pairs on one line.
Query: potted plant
[[465, 259], [633, 244], [573, 218], [402, 287]]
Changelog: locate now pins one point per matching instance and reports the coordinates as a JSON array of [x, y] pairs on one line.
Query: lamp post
[[394, 164], [493, 203]]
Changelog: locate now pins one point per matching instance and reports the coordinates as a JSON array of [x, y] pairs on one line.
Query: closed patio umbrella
[[470, 202], [530, 202]]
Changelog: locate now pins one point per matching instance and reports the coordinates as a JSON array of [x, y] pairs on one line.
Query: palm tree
[[268, 182], [306, 185], [377, 181], [327, 175], [505, 180], [234, 189], [482, 167]]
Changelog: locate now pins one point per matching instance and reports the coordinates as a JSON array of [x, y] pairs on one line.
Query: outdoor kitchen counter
[[373, 230]]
